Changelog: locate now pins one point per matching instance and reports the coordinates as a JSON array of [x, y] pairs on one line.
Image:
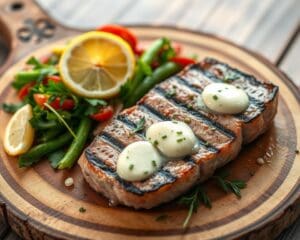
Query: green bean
[[44, 125], [153, 50], [147, 57], [51, 133], [35, 153], [77, 145], [24, 77], [160, 74]]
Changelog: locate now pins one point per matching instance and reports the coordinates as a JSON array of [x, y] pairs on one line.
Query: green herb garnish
[[230, 76], [227, 186], [154, 164], [215, 97], [82, 209], [192, 202], [139, 125], [61, 119], [131, 166], [180, 140], [164, 136]]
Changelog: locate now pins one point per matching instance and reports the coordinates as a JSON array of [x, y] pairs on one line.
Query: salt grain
[[69, 182], [260, 161]]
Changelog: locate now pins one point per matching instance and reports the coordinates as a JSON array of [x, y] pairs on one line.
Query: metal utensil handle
[[24, 26]]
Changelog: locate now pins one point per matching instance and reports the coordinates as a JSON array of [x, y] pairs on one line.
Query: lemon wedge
[[19, 134], [96, 64]]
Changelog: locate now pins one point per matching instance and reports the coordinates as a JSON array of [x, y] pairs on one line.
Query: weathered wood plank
[[88, 15], [4, 228], [263, 26], [291, 233], [11, 236], [290, 64]]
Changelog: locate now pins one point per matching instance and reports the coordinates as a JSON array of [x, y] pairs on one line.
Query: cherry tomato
[[177, 48], [25, 90], [139, 51], [45, 59], [104, 114], [54, 78], [41, 99], [182, 61], [122, 32]]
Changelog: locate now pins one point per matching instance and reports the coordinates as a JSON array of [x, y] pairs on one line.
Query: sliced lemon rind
[[76, 42]]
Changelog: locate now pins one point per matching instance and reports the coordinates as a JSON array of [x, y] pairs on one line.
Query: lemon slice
[[19, 134], [96, 64]]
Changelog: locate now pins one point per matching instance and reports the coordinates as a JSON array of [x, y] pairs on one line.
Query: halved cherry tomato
[[182, 61], [104, 114], [177, 48], [53, 78], [139, 51], [122, 32], [45, 59], [41, 99], [25, 90]]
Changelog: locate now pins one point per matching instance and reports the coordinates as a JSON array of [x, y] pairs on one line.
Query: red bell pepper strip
[[122, 32], [104, 114], [183, 61]]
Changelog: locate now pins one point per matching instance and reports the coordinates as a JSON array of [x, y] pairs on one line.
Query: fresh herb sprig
[[140, 125], [192, 201], [227, 185], [197, 196]]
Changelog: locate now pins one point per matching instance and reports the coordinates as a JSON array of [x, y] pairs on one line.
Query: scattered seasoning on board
[[69, 182], [187, 120], [260, 161], [82, 210]]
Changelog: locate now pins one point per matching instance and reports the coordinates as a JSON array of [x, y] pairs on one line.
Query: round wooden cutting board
[[39, 206]]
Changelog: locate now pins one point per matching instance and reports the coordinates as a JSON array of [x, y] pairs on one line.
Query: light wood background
[[269, 27]]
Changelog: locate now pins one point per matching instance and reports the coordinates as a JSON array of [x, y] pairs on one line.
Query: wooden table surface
[[270, 28]]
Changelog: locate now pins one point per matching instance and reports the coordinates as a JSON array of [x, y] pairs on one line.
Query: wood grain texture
[[262, 210], [262, 26], [290, 64]]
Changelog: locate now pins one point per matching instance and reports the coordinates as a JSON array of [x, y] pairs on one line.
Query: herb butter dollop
[[138, 161], [225, 98], [174, 139]]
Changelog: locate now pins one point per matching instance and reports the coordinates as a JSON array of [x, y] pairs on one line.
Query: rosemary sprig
[[140, 125], [227, 186], [192, 201]]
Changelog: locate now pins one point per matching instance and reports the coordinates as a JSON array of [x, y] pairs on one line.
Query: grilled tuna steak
[[221, 136]]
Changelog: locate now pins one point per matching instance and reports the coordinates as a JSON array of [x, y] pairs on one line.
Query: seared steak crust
[[179, 98]]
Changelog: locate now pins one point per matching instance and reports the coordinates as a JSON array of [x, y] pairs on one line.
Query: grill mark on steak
[[201, 141], [107, 137], [255, 107], [96, 157]]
